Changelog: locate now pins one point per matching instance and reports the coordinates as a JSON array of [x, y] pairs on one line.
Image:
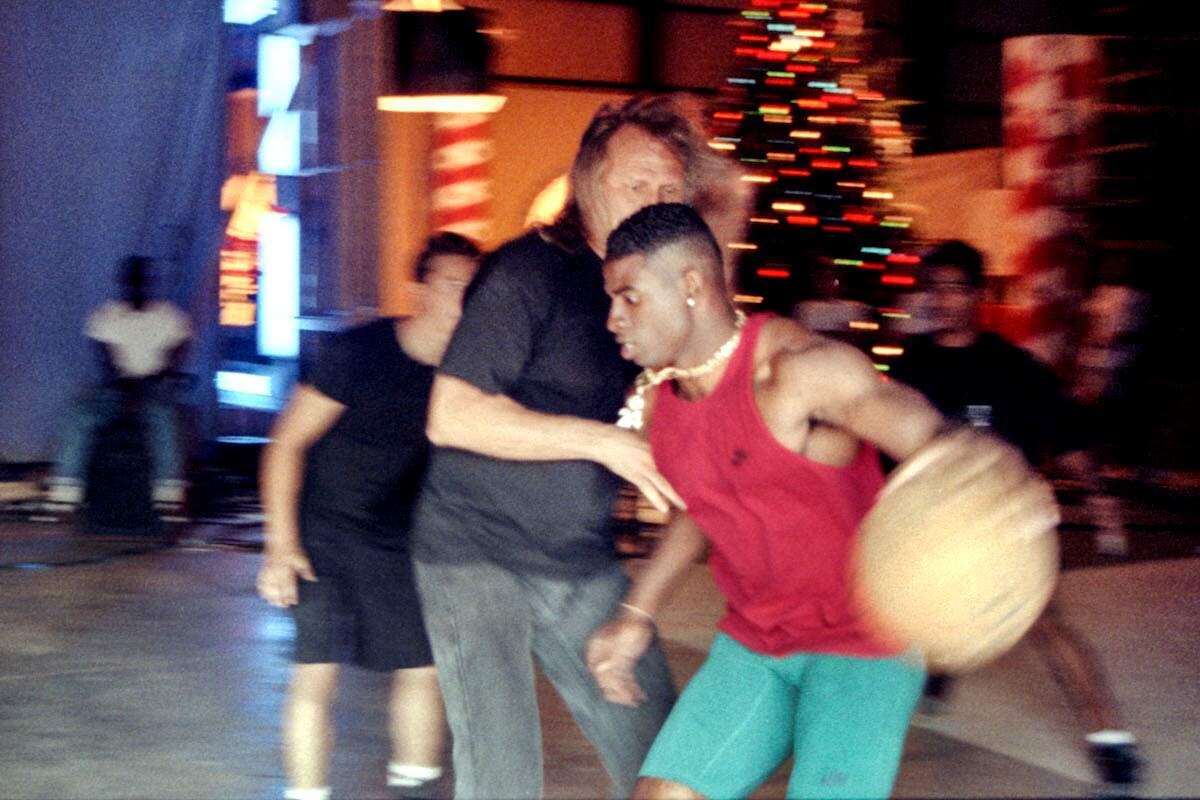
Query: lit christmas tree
[[800, 114]]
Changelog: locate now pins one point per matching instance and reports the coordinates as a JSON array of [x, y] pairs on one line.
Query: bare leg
[[308, 724], [660, 789], [416, 718], [1078, 672]]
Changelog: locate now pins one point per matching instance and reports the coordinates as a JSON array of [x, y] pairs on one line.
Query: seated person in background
[[140, 341], [338, 483], [979, 378]]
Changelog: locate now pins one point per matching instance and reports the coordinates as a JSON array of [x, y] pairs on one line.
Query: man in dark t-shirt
[[513, 535], [339, 482], [984, 381]]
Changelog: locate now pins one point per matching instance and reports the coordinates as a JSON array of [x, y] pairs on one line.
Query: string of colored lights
[[800, 114]]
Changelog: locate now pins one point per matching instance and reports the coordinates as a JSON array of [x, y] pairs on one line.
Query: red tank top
[[781, 525]]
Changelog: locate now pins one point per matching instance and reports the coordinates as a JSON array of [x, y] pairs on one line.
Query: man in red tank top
[[768, 432]]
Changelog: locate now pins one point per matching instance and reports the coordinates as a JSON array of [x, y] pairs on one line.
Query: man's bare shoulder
[[797, 355]]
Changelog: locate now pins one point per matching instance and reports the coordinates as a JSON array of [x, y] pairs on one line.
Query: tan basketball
[[959, 555]]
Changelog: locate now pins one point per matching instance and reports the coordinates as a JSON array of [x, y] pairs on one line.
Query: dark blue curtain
[[111, 142]]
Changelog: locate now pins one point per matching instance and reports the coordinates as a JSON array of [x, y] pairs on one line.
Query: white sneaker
[[169, 493], [64, 492]]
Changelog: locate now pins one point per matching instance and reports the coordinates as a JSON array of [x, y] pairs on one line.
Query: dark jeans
[[485, 622], [102, 405]]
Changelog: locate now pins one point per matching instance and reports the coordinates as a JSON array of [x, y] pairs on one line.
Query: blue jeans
[[485, 622], [100, 407]]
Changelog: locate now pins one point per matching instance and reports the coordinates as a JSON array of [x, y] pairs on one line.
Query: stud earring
[[691, 301]]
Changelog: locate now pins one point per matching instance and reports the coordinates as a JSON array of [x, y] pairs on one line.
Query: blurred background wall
[[121, 121], [111, 132]]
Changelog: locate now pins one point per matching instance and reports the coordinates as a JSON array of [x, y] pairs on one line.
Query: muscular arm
[[308, 415], [838, 386], [463, 416]]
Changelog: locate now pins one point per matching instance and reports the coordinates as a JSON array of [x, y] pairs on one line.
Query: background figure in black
[[339, 481], [984, 381]]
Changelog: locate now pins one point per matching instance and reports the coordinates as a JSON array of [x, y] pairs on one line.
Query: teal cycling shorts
[[843, 718]]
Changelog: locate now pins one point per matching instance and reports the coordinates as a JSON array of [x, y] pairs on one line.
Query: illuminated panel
[[248, 12], [244, 383], [887, 351], [278, 73], [279, 148], [278, 77], [279, 285]]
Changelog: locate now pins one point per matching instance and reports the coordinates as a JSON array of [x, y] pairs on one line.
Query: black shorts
[[363, 609]]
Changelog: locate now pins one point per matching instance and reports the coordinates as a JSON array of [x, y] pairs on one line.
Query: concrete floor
[[133, 670]]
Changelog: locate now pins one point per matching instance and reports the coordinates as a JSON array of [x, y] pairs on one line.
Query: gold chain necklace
[[630, 416]]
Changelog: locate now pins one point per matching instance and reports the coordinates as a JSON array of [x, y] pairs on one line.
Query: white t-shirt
[[140, 340]]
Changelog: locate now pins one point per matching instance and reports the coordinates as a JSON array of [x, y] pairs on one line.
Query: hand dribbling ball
[[959, 555]]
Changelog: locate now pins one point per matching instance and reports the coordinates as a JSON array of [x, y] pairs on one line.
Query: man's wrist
[[629, 611], [288, 547], [593, 439]]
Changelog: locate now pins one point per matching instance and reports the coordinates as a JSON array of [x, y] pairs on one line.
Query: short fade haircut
[[657, 226], [444, 243], [960, 255]]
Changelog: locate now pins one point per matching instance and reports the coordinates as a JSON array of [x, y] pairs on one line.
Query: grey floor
[[131, 670]]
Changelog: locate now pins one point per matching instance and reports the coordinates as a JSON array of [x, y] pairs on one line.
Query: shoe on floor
[[412, 782], [1117, 763], [64, 492]]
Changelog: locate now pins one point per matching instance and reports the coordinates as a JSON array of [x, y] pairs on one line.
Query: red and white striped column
[[460, 179], [1049, 117]]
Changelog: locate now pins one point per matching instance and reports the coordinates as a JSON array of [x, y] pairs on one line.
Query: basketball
[[959, 555]]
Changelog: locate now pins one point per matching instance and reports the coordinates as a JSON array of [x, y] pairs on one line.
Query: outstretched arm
[[615, 647], [305, 419], [465, 417]]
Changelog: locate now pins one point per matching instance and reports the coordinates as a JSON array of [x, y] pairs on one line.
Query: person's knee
[[314, 683], [415, 679], [416, 675], [662, 789]]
